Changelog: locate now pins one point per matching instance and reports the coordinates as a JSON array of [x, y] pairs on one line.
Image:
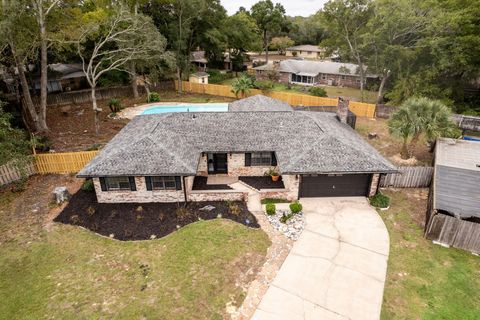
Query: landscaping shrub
[[182, 213], [285, 217], [295, 207], [115, 105], [274, 200], [153, 97], [380, 201], [93, 147], [42, 143], [318, 92], [264, 85], [88, 185], [270, 208], [234, 209], [217, 76]]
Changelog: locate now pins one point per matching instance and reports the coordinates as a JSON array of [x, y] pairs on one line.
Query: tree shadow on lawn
[[141, 221]]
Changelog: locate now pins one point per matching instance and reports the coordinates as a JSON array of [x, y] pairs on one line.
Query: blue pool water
[[211, 107]]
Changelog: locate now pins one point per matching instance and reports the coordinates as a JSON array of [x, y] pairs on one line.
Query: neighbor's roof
[[312, 68], [259, 102], [172, 143], [306, 47], [200, 74], [457, 177], [199, 56]]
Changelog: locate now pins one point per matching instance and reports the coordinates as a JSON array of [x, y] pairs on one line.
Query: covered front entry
[[346, 185], [217, 163]]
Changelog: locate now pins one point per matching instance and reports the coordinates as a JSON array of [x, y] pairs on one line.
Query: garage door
[[348, 185]]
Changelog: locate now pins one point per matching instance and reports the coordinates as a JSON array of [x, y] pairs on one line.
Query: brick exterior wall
[[374, 184], [142, 195], [290, 192], [212, 195], [236, 166]]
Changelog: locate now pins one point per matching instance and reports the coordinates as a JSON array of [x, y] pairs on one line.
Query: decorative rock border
[[294, 226]]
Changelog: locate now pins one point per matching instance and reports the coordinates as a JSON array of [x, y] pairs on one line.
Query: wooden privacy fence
[[295, 99], [408, 177], [454, 232], [68, 162], [11, 172], [84, 96]]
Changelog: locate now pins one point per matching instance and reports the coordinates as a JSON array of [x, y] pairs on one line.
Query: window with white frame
[[164, 183], [261, 159], [117, 183]]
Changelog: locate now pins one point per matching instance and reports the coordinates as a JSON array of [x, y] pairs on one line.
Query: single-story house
[[199, 77], [313, 73], [307, 51], [453, 217], [63, 77], [200, 62], [164, 157]]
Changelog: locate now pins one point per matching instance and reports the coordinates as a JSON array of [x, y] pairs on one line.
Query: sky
[[303, 8]]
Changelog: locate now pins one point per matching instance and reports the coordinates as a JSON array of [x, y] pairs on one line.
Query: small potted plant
[[272, 172]]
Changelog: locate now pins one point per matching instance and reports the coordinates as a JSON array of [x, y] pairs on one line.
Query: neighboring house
[[165, 157], [306, 51], [313, 73], [199, 77], [201, 62], [453, 217], [63, 77]]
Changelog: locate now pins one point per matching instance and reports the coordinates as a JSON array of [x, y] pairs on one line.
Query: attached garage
[[346, 185]]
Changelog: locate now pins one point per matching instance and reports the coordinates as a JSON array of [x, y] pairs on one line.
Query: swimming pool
[[208, 107]]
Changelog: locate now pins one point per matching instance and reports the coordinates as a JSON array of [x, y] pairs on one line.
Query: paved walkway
[[337, 268]]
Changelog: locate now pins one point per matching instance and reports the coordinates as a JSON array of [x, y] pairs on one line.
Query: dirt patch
[[411, 200], [390, 146], [24, 214], [75, 131], [140, 221]]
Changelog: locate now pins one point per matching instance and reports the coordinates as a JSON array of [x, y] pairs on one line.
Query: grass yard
[[52, 270], [353, 94], [424, 280], [390, 146]]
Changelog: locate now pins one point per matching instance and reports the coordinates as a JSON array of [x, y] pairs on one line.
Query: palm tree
[[419, 116], [242, 85]]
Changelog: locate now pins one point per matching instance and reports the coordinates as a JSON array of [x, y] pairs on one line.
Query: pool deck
[[132, 112]]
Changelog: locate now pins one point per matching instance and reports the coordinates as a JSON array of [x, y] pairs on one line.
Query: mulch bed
[[263, 182], [139, 221], [200, 183]]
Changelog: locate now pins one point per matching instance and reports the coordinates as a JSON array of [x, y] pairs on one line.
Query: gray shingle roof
[[259, 102], [306, 47], [172, 143], [313, 68]]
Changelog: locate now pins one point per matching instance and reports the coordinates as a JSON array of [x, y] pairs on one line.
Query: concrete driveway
[[336, 269]]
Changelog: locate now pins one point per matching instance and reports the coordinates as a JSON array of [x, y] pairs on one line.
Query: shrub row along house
[[167, 157], [311, 73]]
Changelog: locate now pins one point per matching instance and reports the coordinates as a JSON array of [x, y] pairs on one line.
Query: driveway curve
[[336, 269]]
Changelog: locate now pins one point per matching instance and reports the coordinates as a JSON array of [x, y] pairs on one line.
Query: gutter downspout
[[184, 190]]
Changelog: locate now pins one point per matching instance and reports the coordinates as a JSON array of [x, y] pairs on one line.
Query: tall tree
[[110, 39], [20, 40], [41, 10], [269, 18], [346, 21]]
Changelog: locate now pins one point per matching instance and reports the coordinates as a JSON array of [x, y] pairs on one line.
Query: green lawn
[[332, 91], [426, 281], [65, 272]]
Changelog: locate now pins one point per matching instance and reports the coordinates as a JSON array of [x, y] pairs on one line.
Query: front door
[[217, 163]]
